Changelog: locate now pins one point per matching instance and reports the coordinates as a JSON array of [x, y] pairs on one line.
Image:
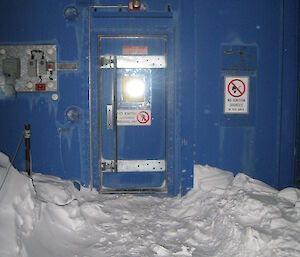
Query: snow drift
[[222, 216]]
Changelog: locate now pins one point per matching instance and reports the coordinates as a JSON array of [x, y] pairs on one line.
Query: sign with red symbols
[[143, 117], [128, 117], [236, 95]]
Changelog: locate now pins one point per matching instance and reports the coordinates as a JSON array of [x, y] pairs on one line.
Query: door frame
[[100, 36]]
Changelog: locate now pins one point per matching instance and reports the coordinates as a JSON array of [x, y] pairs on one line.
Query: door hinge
[[108, 166], [106, 61]]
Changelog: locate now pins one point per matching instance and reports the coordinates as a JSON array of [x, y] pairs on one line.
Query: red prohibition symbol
[[236, 88], [143, 117]]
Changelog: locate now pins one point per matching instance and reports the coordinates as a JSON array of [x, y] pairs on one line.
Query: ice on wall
[[222, 216]]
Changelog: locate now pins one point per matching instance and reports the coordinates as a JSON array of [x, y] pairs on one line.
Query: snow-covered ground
[[222, 216]]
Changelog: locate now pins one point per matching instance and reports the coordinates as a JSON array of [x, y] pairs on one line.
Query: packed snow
[[222, 216]]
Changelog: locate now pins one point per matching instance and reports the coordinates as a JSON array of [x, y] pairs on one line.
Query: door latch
[[109, 116]]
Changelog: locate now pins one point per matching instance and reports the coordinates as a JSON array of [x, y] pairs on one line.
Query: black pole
[[27, 149]]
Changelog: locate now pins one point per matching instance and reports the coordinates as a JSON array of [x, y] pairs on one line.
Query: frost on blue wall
[[260, 143], [59, 147]]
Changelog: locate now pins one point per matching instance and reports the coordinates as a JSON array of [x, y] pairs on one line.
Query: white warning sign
[[236, 95], [127, 117]]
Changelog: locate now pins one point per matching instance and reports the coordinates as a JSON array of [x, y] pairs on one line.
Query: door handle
[[109, 116]]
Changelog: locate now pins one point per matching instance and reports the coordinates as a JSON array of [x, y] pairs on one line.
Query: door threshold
[[134, 191]]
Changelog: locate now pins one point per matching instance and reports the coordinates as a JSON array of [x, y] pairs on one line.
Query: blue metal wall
[[260, 144]]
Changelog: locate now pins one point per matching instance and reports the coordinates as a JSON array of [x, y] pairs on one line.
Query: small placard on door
[[127, 117], [135, 50]]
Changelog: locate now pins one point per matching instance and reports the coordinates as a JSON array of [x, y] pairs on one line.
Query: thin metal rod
[[115, 98], [109, 6], [90, 105], [99, 106], [27, 149], [167, 90]]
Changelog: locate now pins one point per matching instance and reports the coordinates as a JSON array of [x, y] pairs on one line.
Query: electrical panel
[[28, 68]]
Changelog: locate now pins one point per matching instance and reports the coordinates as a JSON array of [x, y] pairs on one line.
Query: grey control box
[[37, 67]]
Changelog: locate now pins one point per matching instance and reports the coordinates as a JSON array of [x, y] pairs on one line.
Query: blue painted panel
[[186, 96], [239, 58], [238, 142], [241, 143], [133, 180], [290, 72]]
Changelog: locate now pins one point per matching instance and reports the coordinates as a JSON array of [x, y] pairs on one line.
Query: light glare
[[135, 88]]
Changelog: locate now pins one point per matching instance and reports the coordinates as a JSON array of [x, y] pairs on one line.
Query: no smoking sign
[[236, 95], [236, 88], [143, 117], [134, 117]]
